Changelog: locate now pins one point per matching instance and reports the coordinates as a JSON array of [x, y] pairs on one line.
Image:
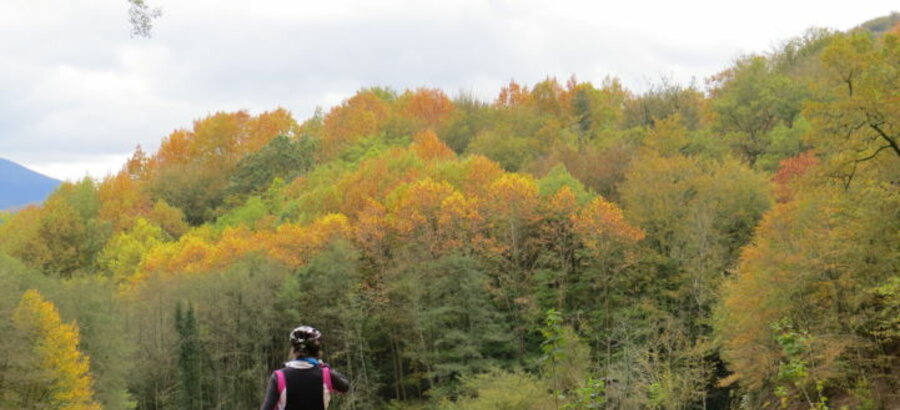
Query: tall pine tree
[[189, 360]]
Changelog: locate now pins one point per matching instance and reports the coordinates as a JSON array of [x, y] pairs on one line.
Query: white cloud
[[75, 88], [72, 167]]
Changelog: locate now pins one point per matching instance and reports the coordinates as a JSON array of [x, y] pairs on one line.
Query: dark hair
[[305, 341], [307, 349]]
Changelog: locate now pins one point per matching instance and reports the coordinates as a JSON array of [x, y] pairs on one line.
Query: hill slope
[[20, 186]]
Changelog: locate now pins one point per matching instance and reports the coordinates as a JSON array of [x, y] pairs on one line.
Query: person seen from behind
[[305, 382]]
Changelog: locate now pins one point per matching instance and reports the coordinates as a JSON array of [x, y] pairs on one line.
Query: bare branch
[[891, 141], [864, 159]]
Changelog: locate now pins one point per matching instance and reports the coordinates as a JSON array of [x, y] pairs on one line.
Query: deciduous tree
[[63, 379]]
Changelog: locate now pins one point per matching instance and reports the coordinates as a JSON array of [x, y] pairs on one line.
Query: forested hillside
[[567, 245]]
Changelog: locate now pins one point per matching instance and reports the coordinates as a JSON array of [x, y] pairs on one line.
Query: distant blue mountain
[[21, 186]]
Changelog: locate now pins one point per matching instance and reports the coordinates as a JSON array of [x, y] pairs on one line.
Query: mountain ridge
[[20, 186]]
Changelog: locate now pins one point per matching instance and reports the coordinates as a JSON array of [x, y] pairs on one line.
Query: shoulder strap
[[326, 378], [281, 384], [282, 391]]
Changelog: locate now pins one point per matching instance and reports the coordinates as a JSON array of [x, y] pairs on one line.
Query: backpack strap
[[326, 378], [282, 391], [326, 385], [281, 384]]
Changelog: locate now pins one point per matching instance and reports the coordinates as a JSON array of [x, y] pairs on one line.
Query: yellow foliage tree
[[512, 204], [202, 251], [437, 216], [64, 380], [122, 254], [122, 201], [858, 127]]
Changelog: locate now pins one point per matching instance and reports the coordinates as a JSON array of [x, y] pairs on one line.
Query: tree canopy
[[565, 246]]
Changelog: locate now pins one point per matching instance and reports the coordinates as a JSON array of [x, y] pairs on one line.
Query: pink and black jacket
[[303, 384]]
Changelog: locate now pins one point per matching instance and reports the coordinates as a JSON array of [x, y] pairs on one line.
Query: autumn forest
[[726, 244]]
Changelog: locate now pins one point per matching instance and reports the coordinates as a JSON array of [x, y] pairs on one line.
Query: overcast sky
[[77, 93]]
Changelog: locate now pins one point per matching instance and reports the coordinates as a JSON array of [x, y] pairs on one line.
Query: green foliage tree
[[241, 317], [470, 118], [454, 323], [565, 362], [332, 293], [92, 302], [500, 390], [189, 358], [559, 177], [698, 214], [510, 151], [750, 100], [597, 111], [663, 100], [15, 350], [283, 157], [63, 237]]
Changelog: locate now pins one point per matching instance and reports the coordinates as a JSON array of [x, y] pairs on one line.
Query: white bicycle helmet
[[303, 335]]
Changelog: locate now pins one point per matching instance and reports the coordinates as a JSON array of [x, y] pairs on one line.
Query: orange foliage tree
[[790, 171], [808, 256], [428, 107], [360, 116], [192, 168], [428, 146], [513, 94]]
